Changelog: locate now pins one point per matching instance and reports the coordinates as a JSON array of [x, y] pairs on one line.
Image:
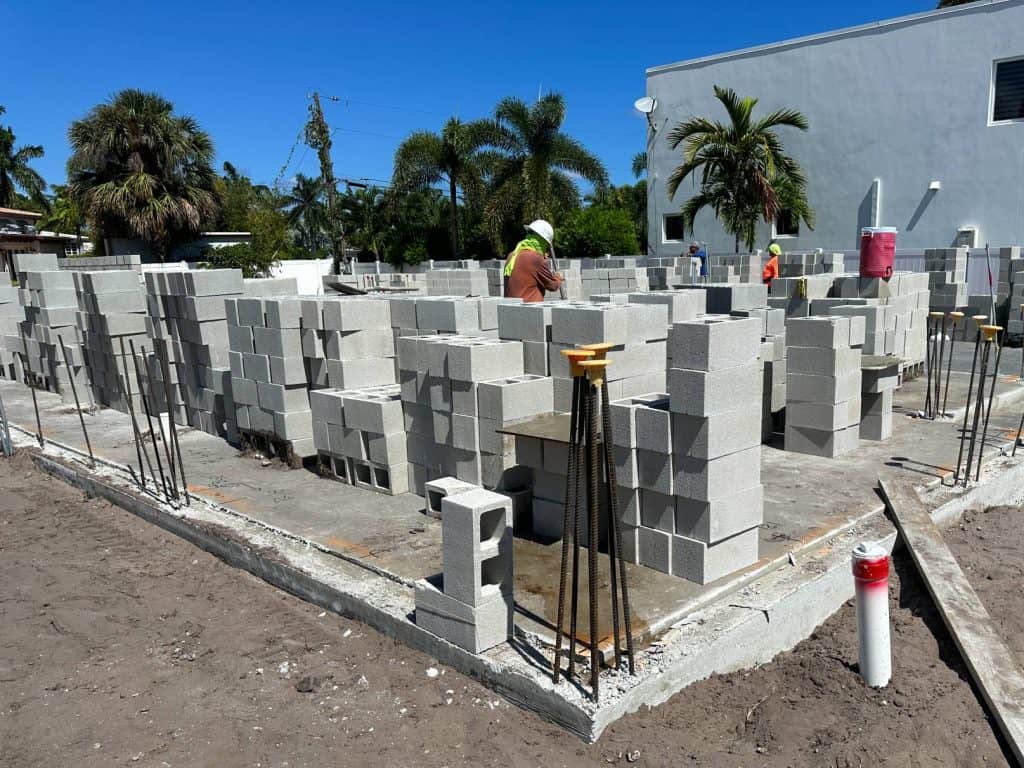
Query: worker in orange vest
[[771, 269]]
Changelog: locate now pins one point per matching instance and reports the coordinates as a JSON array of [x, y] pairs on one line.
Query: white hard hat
[[543, 229]]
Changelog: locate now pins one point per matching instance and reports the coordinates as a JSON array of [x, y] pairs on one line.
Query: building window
[[1008, 90], [787, 224], [674, 227]]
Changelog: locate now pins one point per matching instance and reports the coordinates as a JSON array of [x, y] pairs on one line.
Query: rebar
[[979, 407], [592, 524], [1020, 435], [149, 419], [967, 408], [949, 365], [929, 342], [567, 525], [578, 532], [938, 367], [166, 365], [988, 410], [78, 405], [140, 444]]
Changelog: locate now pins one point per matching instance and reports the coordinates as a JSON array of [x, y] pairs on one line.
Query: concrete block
[[358, 374], [514, 398], [657, 510], [312, 314], [556, 457], [356, 314], [626, 472], [374, 411], [327, 405], [256, 367], [283, 313], [682, 305], [714, 343], [274, 397], [475, 629], [655, 471], [529, 452], [654, 549], [476, 536], [702, 437], [818, 331], [653, 425], [524, 322], [823, 361], [548, 518], [250, 312], [212, 282], [293, 425], [436, 490], [287, 371], [590, 324], [278, 342], [358, 345], [710, 393], [723, 299], [808, 388], [876, 403], [712, 521], [876, 426], [484, 360], [824, 416], [240, 338], [715, 479], [884, 380], [646, 322], [703, 563], [629, 505], [822, 443], [535, 358]]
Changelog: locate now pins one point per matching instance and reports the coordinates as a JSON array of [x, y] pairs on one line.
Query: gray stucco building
[[915, 123]]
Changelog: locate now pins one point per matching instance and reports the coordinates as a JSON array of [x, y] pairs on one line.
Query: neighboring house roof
[[914, 18], [14, 213]]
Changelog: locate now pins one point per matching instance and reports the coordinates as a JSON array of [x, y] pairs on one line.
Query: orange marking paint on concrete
[[348, 546], [213, 493]]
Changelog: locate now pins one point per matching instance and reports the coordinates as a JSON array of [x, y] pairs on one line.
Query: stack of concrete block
[[664, 272], [268, 374], [877, 386], [773, 364], [794, 295], [823, 386], [347, 342], [470, 604], [414, 282], [1008, 289], [458, 282], [638, 333], [51, 305], [714, 388], [529, 324], [11, 315], [801, 263], [683, 304], [947, 278], [188, 317], [111, 318], [1015, 303], [612, 280], [572, 283], [102, 263], [735, 268]]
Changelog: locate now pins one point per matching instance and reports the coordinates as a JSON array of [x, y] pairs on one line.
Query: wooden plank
[[992, 664]]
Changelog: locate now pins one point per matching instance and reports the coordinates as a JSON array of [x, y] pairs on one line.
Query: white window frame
[[664, 229], [992, 93], [777, 236]]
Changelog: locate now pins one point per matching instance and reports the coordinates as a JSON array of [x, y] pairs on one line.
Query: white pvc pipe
[[871, 576]]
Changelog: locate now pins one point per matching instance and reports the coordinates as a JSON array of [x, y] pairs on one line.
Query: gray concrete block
[[823, 361], [712, 521], [524, 322], [876, 403], [548, 517], [240, 338], [283, 312], [535, 358], [356, 314], [657, 510], [656, 471], [682, 305], [590, 324], [476, 536], [484, 360], [256, 367], [244, 392], [358, 345], [653, 424], [723, 299], [358, 374], [824, 416], [274, 397], [327, 405], [646, 322], [312, 314], [463, 398], [629, 505], [442, 430], [655, 549], [293, 425], [702, 437], [822, 443], [714, 479], [703, 563], [709, 393], [514, 398], [287, 371], [876, 426], [808, 388], [278, 342], [250, 312], [448, 314], [627, 474], [377, 411], [465, 432], [556, 457], [438, 489], [818, 331], [212, 282], [475, 629], [885, 380]]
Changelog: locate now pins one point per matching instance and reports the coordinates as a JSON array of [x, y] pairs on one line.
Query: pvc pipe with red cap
[[871, 578]]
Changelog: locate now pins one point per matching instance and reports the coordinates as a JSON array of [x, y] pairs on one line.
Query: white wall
[[905, 101], [307, 273]]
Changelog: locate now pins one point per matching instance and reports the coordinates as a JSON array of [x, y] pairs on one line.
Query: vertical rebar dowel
[[78, 405], [165, 435], [611, 509], [140, 443], [577, 536], [988, 410], [929, 341], [949, 366], [567, 525], [1016, 440], [173, 427], [616, 524], [6, 437], [938, 365], [32, 386], [979, 407], [592, 524], [967, 408], [149, 417]]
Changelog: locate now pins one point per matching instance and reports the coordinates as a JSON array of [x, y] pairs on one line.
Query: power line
[[347, 101]]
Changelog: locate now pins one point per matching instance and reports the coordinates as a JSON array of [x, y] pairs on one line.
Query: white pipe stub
[[871, 577]]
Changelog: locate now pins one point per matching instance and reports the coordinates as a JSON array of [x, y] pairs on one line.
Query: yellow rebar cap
[[989, 332], [600, 349], [956, 315], [595, 370], [575, 357], [936, 315], [980, 319]]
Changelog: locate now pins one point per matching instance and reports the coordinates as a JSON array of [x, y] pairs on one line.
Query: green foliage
[[595, 231], [742, 166], [639, 165], [419, 227], [65, 214], [138, 170], [307, 214], [631, 198], [16, 173]]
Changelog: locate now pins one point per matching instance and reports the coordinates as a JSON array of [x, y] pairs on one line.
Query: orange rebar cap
[[595, 370], [989, 332], [600, 349], [575, 357]]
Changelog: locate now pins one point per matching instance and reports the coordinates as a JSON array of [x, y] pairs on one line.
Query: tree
[[418, 228], [742, 167], [139, 170], [639, 166], [534, 163], [364, 216], [595, 231], [15, 171], [450, 158], [65, 214], [307, 213], [630, 198]]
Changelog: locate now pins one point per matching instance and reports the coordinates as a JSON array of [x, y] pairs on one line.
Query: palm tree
[[141, 171], [639, 166], [306, 211], [743, 167], [15, 171], [65, 215], [364, 219], [535, 164], [450, 157]]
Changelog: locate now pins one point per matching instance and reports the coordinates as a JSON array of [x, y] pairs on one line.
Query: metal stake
[[78, 405], [32, 386], [991, 396]]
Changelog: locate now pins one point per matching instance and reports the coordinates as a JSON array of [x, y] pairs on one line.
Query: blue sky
[[244, 69]]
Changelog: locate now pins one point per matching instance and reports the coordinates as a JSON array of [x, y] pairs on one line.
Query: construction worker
[[771, 269], [528, 274], [698, 253]]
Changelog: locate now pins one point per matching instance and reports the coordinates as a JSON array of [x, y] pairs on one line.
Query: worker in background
[[698, 253], [771, 269], [528, 273]]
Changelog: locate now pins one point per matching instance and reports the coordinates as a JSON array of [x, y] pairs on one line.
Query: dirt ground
[[122, 645]]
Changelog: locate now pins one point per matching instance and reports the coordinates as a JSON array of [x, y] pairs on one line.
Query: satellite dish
[[646, 104]]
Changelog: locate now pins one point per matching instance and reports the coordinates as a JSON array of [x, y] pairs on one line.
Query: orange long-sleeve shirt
[[770, 271], [531, 277]]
